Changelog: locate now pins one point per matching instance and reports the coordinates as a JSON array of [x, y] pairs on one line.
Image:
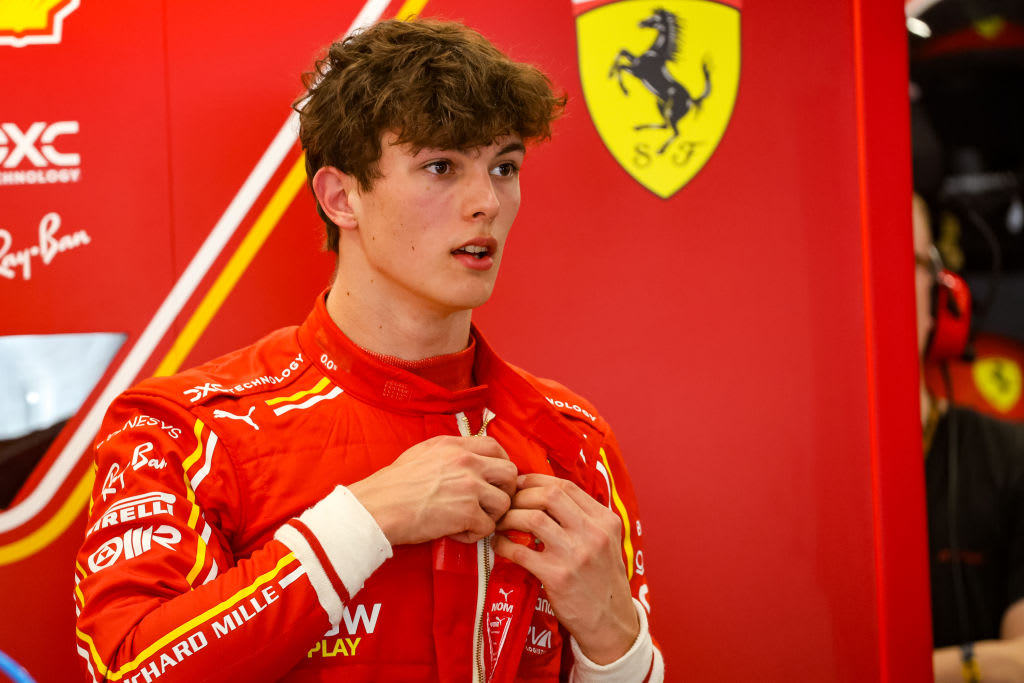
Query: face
[[924, 272], [431, 231]]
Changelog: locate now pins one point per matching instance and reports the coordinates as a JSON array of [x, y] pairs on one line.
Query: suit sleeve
[[159, 594], [643, 662]]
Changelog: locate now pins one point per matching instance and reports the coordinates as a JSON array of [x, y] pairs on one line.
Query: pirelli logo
[[136, 507]]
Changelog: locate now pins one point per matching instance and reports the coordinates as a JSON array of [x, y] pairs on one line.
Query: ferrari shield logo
[[660, 81]]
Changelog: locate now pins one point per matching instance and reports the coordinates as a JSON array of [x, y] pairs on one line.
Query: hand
[[999, 661], [445, 486], [580, 565]]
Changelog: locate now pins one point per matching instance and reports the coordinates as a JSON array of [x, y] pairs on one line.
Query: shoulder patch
[[565, 400], [242, 385], [571, 408], [270, 363]]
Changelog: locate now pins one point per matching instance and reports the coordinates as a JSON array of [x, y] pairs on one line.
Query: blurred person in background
[[974, 469]]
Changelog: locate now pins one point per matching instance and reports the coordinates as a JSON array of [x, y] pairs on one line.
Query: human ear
[[335, 191]]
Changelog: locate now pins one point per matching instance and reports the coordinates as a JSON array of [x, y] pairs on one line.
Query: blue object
[[13, 670]]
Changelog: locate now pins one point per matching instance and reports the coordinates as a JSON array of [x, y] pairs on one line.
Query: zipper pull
[[465, 429]]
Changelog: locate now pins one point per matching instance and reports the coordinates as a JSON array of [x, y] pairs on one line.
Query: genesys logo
[[142, 420], [17, 260], [39, 22], [41, 154], [133, 543]]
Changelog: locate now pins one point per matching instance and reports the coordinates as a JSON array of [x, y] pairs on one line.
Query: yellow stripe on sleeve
[[193, 519], [92, 501], [200, 559], [78, 589], [627, 539], [191, 460], [190, 496]]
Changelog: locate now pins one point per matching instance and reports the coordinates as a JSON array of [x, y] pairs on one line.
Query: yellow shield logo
[[660, 80], [999, 380]]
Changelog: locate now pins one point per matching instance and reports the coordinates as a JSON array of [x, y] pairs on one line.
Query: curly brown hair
[[433, 83]]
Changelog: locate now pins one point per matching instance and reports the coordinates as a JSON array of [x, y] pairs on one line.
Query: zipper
[[484, 562], [483, 573], [466, 430]]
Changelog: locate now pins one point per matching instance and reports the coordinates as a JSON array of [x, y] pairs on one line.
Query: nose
[[481, 202]]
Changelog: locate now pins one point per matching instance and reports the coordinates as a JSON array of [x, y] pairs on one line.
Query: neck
[[392, 329]]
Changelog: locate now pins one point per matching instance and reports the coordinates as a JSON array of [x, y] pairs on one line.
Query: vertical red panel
[[903, 600], [109, 85]]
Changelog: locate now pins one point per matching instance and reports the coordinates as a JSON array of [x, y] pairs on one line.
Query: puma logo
[[505, 593], [245, 418]]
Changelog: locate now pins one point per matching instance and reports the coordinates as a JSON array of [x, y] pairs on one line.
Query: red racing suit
[[222, 543]]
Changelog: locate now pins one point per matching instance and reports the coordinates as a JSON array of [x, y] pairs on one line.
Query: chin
[[469, 301], [472, 304]]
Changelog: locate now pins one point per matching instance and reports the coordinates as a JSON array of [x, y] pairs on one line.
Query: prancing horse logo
[[674, 100], [686, 56]]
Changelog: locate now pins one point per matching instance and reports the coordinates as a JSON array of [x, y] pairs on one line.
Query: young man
[[375, 495]]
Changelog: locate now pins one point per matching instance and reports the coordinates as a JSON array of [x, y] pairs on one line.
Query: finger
[[534, 479], [494, 501], [476, 525], [529, 559], [467, 537], [484, 445], [497, 472], [537, 523], [536, 482], [553, 501], [562, 503]]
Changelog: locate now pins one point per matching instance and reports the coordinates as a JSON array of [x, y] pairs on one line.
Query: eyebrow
[[517, 146], [512, 147]]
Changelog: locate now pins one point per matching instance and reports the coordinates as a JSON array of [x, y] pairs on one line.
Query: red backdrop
[[751, 337]]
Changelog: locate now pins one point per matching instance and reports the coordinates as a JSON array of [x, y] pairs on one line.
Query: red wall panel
[[111, 84]]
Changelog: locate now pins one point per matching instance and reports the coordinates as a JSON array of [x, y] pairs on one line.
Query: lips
[[474, 250], [477, 253], [478, 247]]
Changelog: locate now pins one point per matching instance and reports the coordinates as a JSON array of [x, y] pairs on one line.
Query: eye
[[439, 167], [505, 170]]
